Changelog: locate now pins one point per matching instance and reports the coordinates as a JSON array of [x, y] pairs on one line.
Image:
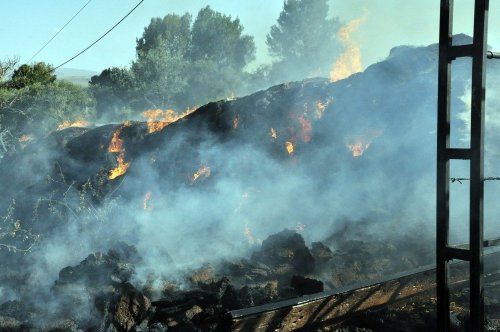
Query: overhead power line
[[104, 35], [55, 35]]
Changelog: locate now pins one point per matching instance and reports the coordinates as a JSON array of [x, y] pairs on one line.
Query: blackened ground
[[98, 294]]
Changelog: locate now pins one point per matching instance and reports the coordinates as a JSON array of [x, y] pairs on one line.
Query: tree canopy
[[25, 75], [304, 40], [32, 106], [179, 64], [217, 38], [171, 33]]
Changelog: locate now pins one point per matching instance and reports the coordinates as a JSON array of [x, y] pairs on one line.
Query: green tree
[[114, 90], [7, 66], [172, 34], [304, 40], [219, 54], [180, 65], [161, 66], [25, 75], [161, 77], [218, 38], [38, 109]]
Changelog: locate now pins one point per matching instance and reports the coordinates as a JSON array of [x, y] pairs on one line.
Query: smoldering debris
[[101, 293], [199, 199]]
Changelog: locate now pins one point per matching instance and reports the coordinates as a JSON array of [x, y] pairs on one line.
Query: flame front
[[358, 148], [320, 107], [159, 119], [306, 129], [120, 169], [274, 135], [349, 62], [359, 144], [289, 147], [116, 146], [77, 123], [203, 173]]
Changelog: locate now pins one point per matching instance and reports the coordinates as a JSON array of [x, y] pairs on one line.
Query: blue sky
[[26, 25]]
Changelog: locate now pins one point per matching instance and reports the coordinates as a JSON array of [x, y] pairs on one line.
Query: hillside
[[76, 76]]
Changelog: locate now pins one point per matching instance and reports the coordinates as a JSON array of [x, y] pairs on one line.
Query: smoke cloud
[[363, 150]]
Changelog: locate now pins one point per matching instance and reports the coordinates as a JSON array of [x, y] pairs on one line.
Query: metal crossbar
[[477, 50]]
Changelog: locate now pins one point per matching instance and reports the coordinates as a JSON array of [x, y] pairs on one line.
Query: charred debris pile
[[101, 293], [177, 211]]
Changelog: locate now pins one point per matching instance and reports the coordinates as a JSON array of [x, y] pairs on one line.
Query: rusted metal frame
[[333, 307], [443, 165], [477, 164]]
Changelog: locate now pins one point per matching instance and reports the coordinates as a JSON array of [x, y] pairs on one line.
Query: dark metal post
[[475, 154], [477, 164], [443, 164]]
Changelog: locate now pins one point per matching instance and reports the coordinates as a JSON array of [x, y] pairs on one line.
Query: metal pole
[[477, 164], [443, 165]]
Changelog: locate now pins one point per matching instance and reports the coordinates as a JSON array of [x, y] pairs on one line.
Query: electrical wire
[[114, 26], [54, 36]]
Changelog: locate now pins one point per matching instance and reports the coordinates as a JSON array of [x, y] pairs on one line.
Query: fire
[[120, 169], [25, 138], [159, 119], [306, 127], [358, 148], [203, 173], [116, 146], [236, 121], [320, 107], [146, 200], [289, 147], [360, 144], [274, 135], [77, 123], [349, 62]]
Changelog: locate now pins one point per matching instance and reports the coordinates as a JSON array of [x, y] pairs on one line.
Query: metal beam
[[475, 155], [443, 165]]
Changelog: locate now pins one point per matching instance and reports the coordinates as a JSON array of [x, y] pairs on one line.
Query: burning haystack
[[208, 186]]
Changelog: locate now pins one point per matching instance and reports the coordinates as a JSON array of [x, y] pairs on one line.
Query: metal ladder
[[444, 252]]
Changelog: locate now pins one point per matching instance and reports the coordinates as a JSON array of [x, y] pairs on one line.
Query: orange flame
[[77, 123], [203, 173], [159, 119], [306, 127], [358, 148], [349, 62], [25, 138], [358, 145], [321, 106], [120, 169], [116, 146], [289, 147], [274, 135], [145, 203]]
